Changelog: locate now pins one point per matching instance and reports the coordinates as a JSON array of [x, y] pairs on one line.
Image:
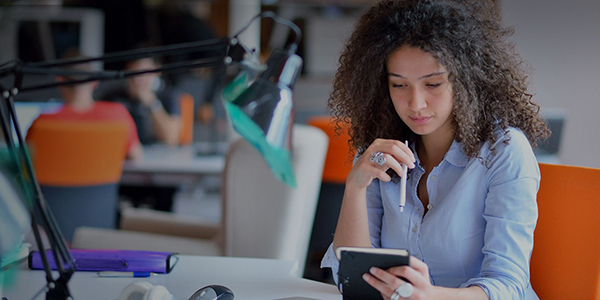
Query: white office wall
[[324, 40], [561, 42]]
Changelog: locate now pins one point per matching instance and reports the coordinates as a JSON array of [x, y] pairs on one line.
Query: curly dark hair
[[488, 78]]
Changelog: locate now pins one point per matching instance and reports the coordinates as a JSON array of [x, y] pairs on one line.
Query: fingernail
[[365, 276], [372, 270]]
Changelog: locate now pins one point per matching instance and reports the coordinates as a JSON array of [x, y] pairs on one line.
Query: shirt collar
[[456, 156]]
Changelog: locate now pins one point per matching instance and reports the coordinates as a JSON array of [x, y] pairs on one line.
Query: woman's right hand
[[364, 170]]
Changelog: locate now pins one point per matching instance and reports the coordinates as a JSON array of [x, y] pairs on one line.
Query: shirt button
[[415, 229], [429, 206], [433, 177]]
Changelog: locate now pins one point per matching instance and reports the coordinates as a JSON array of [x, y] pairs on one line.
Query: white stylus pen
[[124, 274], [403, 184]]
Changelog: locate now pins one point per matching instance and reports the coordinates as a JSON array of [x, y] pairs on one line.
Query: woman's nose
[[417, 100]]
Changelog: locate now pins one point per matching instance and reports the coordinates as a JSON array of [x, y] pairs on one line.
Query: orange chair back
[[76, 153], [565, 263], [338, 161], [186, 105]]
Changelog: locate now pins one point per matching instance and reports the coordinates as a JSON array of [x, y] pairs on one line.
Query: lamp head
[[262, 111]]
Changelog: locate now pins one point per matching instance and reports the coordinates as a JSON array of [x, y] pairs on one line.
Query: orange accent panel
[[338, 161], [186, 104], [76, 153], [565, 263]]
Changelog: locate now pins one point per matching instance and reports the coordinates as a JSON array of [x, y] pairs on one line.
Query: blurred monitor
[[34, 33]]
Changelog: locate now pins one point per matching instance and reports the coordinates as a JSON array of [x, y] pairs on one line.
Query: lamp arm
[[232, 52], [198, 46], [110, 75], [9, 67], [280, 20]]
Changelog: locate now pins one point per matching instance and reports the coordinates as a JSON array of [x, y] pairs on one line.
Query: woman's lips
[[420, 120]]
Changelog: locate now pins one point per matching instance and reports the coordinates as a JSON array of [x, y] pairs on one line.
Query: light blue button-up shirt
[[480, 223]]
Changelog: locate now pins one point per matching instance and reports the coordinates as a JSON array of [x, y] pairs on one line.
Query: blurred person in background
[[153, 104], [79, 105]]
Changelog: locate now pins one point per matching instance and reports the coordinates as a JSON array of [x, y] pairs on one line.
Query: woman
[[439, 75]]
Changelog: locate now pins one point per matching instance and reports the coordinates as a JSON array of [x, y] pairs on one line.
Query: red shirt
[[101, 110]]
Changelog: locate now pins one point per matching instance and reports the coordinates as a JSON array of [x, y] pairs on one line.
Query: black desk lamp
[[258, 101]]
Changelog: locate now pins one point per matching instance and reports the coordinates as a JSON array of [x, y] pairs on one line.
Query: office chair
[[261, 217], [78, 165], [565, 263], [338, 161]]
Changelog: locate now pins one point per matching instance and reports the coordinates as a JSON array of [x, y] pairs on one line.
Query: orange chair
[[338, 161], [78, 165], [565, 263], [186, 105]]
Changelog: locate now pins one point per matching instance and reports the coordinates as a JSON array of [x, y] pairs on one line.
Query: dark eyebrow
[[396, 75], [422, 77], [431, 75]]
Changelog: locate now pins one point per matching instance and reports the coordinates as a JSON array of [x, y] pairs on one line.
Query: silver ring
[[378, 158], [405, 290], [395, 296]]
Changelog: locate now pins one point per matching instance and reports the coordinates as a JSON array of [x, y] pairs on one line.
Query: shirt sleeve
[[511, 214], [375, 212], [330, 261]]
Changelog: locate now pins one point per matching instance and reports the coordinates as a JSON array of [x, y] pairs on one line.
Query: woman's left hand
[[387, 281]]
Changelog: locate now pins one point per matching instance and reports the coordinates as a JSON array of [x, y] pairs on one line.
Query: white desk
[[165, 165], [248, 278]]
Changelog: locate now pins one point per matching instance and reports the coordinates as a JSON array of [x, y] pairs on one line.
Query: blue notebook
[[112, 260]]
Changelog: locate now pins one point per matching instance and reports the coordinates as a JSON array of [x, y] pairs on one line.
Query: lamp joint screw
[[5, 94], [51, 285], [228, 60], [233, 41], [15, 91]]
